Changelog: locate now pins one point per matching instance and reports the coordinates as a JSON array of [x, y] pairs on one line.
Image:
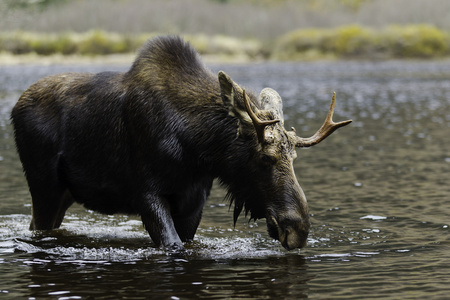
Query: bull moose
[[150, 142]]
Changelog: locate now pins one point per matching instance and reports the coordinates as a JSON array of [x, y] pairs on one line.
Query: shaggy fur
[[149, 142]]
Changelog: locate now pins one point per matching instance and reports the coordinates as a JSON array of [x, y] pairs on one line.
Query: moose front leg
[[158, 222], [187, 211]]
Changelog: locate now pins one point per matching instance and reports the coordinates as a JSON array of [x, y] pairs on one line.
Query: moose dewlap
[[151, 141]]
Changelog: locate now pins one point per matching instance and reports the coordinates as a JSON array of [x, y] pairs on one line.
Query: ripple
[[374, 218]]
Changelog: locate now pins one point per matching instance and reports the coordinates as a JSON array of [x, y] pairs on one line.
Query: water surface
[[377, 189]]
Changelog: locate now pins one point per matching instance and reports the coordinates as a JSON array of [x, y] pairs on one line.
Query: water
[[378, 193]]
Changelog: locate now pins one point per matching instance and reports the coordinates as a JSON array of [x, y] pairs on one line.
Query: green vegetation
[[98, 42], [412, 41]]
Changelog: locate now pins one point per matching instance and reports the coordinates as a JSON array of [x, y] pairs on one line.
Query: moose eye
[[267, 159]]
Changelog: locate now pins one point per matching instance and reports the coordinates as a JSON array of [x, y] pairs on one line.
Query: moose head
[[274, 193]]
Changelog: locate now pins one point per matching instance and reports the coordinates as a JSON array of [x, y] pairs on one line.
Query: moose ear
[[226, 89], [231, 94]]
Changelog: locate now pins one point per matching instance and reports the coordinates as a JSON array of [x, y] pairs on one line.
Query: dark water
[[378, 192]]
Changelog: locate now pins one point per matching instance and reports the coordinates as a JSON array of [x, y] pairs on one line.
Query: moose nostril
[[295, 239]]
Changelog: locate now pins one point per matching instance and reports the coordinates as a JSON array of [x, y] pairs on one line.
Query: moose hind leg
[[66, 201], [50, 196], [49, 209]]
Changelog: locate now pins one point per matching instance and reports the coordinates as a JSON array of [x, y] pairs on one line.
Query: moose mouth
[[288, 237]]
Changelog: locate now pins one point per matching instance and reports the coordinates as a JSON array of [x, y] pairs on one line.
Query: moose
[[150, 142]]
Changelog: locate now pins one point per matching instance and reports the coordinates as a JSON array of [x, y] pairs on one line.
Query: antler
[[327, 128], [257, 122]]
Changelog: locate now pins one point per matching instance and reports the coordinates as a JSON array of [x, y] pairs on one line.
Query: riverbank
[[8, 59], [346, 42]]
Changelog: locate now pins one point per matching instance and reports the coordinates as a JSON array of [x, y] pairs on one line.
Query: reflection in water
[[166, 277], [377, 191]]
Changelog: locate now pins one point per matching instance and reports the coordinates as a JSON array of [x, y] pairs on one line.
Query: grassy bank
[[99, 43], [411, 41]]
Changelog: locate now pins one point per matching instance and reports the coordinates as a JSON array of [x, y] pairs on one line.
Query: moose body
[[151, 141]]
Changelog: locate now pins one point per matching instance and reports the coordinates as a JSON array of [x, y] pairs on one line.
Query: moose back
[[151, 141]]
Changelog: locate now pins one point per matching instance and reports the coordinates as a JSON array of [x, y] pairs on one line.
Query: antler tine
[[327, 128], [257, 122]]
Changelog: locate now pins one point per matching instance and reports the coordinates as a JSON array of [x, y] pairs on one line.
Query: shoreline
[[8, 59], [110, 59]]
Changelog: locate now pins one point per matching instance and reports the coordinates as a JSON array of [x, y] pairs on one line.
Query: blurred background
[[230, 29]]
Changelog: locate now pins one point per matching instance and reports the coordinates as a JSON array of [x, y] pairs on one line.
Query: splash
[[98, 239]]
